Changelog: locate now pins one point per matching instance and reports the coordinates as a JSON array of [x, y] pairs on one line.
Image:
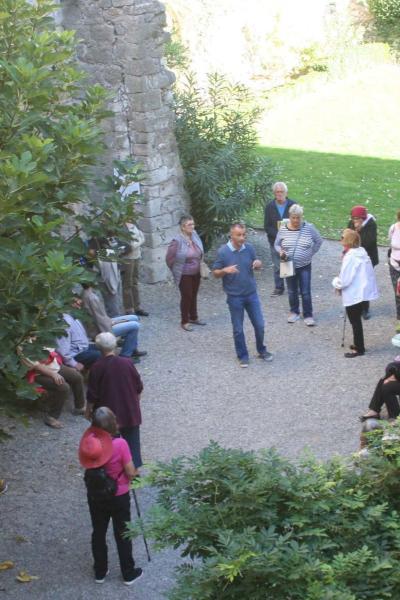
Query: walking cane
[[141, 524], [344, 328]]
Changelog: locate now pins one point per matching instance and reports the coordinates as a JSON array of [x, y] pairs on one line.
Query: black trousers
[[386, 393], [354, 313], [119, 510]]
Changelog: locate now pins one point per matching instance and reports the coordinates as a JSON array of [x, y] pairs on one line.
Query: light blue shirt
[[232, 247]]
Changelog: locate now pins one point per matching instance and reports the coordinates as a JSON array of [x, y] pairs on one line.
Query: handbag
[[286, 268], [204, 270]]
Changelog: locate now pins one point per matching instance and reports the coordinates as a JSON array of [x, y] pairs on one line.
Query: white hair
[[106, 342], [280, 184], [296, 210]]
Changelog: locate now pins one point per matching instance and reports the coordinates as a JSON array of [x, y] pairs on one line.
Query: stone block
[[154, 266], [151, 224], [149, 66], [157, 176], [134, 84], [140, 150], [147, 101]]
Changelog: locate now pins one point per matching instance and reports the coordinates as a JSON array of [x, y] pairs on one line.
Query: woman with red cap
[[365, 225], [100, 447]]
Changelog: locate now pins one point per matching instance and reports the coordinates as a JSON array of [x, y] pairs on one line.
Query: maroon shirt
[[114, 382]]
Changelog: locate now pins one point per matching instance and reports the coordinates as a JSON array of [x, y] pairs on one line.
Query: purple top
[[114, 382], [177, 255]]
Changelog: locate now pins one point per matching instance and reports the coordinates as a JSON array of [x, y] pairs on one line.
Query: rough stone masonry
[[121, 47]]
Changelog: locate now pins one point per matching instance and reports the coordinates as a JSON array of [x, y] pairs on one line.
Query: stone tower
[[121, 47]]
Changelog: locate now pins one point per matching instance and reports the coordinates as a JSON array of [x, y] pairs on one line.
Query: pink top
[[114, 468]]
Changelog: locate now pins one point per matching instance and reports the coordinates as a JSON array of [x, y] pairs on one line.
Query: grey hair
[[296, 210], [106, 342], [104, 418], [281, 184]]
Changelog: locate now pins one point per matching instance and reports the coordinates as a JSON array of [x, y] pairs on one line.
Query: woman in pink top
[[100, 447], [394, 263]]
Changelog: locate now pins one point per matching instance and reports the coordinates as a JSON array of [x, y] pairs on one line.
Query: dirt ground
[[310, 396]]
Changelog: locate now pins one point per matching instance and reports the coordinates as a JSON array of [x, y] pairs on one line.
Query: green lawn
[[335, 139], [328, 185]]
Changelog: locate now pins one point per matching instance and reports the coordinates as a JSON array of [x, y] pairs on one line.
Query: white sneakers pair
[[293, 317]]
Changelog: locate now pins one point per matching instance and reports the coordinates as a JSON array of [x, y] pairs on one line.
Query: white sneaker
[[293, 317], [309, 321]]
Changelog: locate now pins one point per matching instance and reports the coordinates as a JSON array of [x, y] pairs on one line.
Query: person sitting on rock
[[125, 326], [386, 392]]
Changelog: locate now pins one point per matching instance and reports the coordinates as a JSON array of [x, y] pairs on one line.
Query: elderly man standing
[[114, 382], [235, 265], [275, 212]]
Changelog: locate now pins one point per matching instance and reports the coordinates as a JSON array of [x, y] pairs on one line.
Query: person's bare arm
[[130, 470], [231, 270], [47, 372]]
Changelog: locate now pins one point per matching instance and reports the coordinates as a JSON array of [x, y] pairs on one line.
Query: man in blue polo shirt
[[235, 265]]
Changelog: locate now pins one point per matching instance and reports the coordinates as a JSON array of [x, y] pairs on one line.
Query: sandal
[[366, 417], [186, 327], [198, 322], [53, 423], [353, 354]]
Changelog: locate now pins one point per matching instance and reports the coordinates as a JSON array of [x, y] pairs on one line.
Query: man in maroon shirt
[[114, 382]]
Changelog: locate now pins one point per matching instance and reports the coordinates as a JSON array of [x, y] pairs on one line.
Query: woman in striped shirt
[[298, 241]]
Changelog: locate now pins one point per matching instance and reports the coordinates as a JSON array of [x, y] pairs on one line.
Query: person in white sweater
[[356, 283]]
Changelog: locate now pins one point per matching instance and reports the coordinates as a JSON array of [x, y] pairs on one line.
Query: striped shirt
[[300, 245]]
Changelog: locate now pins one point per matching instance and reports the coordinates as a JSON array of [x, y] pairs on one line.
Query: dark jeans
[[301, 279], [118, 509], [132, 436], [276, 259], [386, 393], [250, 304], [189, 287], [354, 313], [394, 275], [89, 356]]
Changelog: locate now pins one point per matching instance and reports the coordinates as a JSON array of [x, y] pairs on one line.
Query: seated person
[[57, 381], [76, 350], [125, 326], [386, 392]]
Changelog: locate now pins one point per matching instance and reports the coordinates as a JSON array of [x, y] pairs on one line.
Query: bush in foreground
[[262, 527]]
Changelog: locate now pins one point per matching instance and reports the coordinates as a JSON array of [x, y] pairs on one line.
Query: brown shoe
[[186, 327], [198, 322]]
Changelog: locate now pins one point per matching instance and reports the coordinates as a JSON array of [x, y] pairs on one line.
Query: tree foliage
[[217, 140], [386, 14], [50, 141], [260, 526]]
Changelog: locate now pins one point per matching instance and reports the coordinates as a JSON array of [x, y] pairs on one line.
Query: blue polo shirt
[[242, 283]]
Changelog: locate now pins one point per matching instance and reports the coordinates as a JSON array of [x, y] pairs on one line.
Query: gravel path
[[310, 396]]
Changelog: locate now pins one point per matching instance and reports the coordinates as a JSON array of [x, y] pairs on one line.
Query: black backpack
[[100, 487]]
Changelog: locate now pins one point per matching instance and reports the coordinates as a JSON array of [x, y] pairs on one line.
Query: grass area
[[336, 142], [328, 185]]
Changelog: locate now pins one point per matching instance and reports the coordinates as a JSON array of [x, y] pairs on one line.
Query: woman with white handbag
[[297, 242]]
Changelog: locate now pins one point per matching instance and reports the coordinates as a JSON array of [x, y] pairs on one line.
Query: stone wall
[[121, 47]]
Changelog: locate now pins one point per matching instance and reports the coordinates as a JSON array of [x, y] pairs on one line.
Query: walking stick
[[344, 328], [141, 524]]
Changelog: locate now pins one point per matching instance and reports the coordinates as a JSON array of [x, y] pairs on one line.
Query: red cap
[[359, 212], [95, 448]]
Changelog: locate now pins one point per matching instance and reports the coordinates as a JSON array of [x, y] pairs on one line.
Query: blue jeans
[[301, 279], [89, 356], [250, 304], [276, 259], [127, 327]]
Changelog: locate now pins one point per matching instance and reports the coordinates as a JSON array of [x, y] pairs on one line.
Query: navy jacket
[[368, 235], [272, 216]]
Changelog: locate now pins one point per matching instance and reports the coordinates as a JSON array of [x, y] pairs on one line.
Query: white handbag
[[286, 268]]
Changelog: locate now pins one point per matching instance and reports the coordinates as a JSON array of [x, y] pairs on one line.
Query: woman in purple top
[[115, 383], [184, 256]]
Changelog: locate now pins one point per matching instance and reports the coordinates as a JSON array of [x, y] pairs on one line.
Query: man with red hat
[[365, 224]]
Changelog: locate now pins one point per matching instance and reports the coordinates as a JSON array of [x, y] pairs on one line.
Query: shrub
[[386, 14], [216, 135], [259, 526], [50, 140]]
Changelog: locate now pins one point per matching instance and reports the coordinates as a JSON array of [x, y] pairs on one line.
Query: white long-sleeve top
[[357, 278]]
